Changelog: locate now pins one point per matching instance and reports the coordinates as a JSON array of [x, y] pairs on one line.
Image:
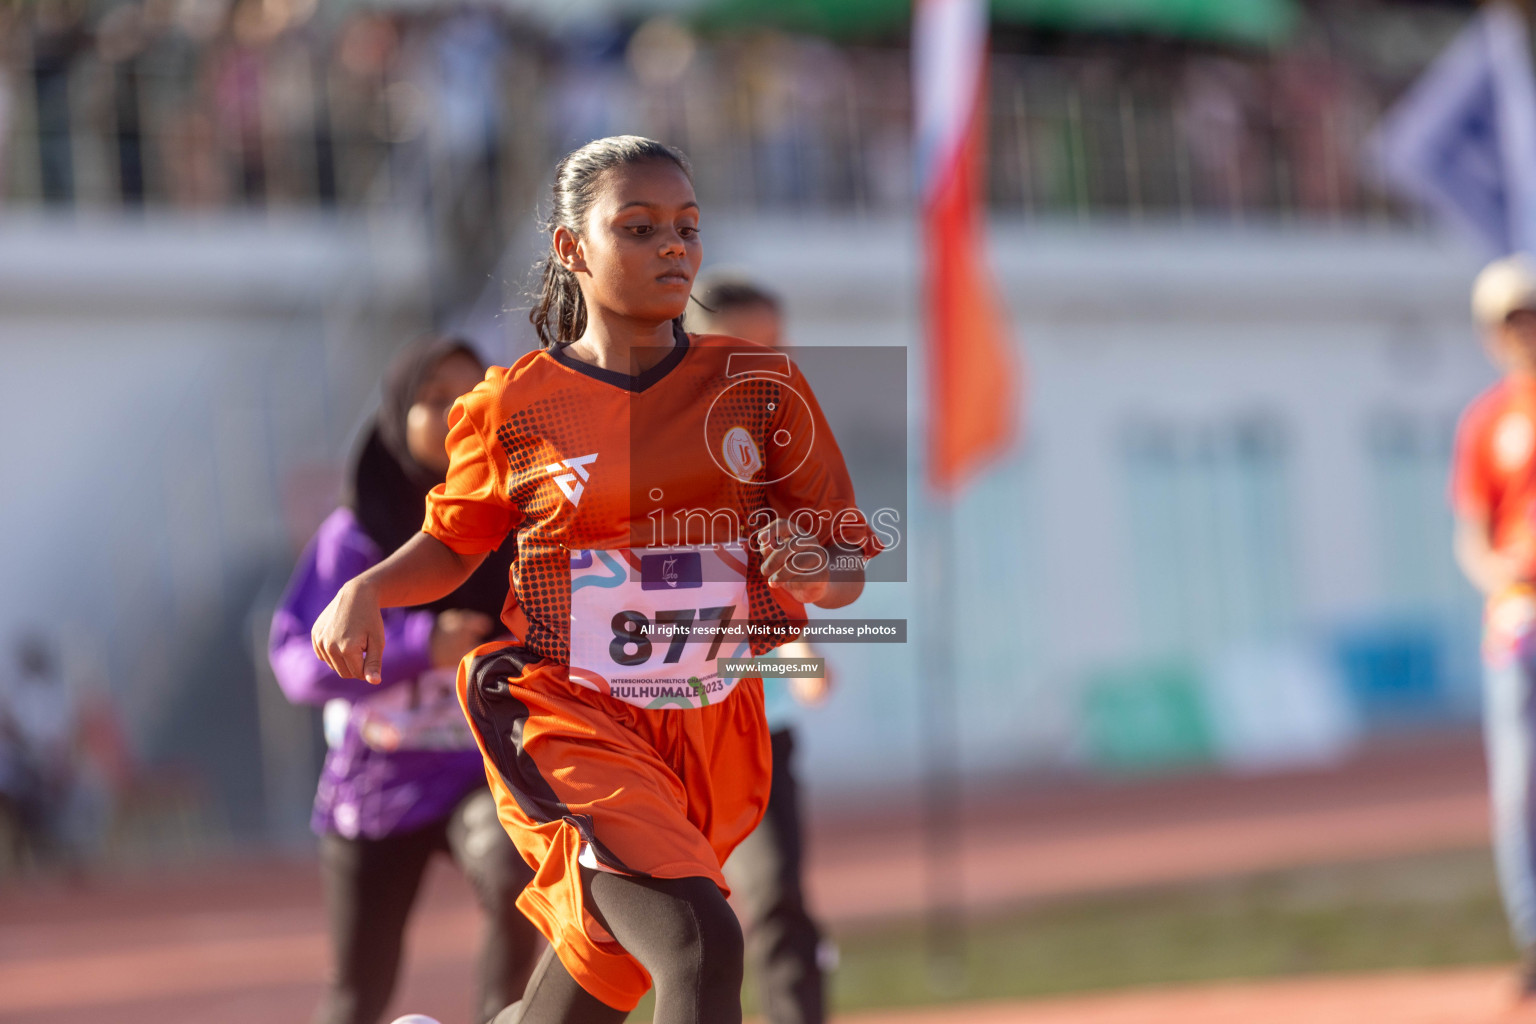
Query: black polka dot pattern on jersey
[[559, 425]]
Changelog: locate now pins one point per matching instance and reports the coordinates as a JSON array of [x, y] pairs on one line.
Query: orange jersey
[[633, 500], [1493, 475]]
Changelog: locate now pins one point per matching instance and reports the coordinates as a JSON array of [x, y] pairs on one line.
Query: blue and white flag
[[1463, 140]]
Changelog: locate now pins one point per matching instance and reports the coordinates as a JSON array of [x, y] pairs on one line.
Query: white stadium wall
[[1225, 532], [179, 394]]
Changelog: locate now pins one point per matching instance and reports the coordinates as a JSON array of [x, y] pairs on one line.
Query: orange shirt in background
[[1493, 474]]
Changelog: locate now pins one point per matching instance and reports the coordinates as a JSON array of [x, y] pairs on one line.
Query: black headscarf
[[388, 487]]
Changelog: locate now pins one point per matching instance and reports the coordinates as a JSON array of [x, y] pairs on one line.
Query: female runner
[[676, 499]]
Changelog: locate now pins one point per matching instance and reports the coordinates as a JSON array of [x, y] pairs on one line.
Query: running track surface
[[244, 942]]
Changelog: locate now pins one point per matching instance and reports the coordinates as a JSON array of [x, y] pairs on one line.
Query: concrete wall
[[1334, 341], [178, 394]]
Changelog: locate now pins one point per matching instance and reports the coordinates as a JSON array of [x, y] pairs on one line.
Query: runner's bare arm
[[1489, 570], [785, 550], [349, 635]]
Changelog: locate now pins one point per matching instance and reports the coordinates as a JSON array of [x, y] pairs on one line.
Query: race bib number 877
[[647, 624]]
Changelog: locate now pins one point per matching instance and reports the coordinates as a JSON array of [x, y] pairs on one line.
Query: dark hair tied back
[[559, 314]]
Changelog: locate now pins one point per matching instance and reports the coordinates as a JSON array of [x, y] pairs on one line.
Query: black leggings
[[370, 885], [680, 929], [765, 875]]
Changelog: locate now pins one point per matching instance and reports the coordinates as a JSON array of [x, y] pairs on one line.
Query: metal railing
[[402, 111]]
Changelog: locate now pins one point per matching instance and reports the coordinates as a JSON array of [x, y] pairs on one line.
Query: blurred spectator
[[1493, 488], [1216, 119], [58, 38], [9, 20], [661, 54], [1319, 115], [120, 41], [465, 59], [403, 779], [178, 127], [239, 76], [770, 79], [366, 53], [469, 53], [292, 108], [37, 737], [593, 90]]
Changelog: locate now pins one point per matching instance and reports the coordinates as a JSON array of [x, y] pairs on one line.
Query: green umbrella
[[1261, 22], [835, 18], [1258, 22]]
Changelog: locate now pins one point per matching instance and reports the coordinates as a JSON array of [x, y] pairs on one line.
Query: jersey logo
[[680, 571], [741, 453], [571, 475]]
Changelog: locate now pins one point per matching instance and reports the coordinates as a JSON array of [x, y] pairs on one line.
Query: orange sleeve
[[1471, 482], [470, 511], [812, 487]]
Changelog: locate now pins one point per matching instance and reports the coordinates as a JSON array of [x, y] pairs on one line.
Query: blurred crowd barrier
[[462, 110]]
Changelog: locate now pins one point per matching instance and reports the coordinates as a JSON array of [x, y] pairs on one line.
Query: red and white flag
[[972, 389]]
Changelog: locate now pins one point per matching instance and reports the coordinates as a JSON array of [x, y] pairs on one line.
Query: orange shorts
[[583, 780]]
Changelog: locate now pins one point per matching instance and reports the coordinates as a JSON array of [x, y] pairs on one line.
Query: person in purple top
[[403, 778]]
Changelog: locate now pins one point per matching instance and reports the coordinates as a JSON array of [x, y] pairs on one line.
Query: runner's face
[[1516, 341], [426, 422], [641, 248]]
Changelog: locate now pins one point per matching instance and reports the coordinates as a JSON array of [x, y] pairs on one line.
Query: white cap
[[1503, 287]]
